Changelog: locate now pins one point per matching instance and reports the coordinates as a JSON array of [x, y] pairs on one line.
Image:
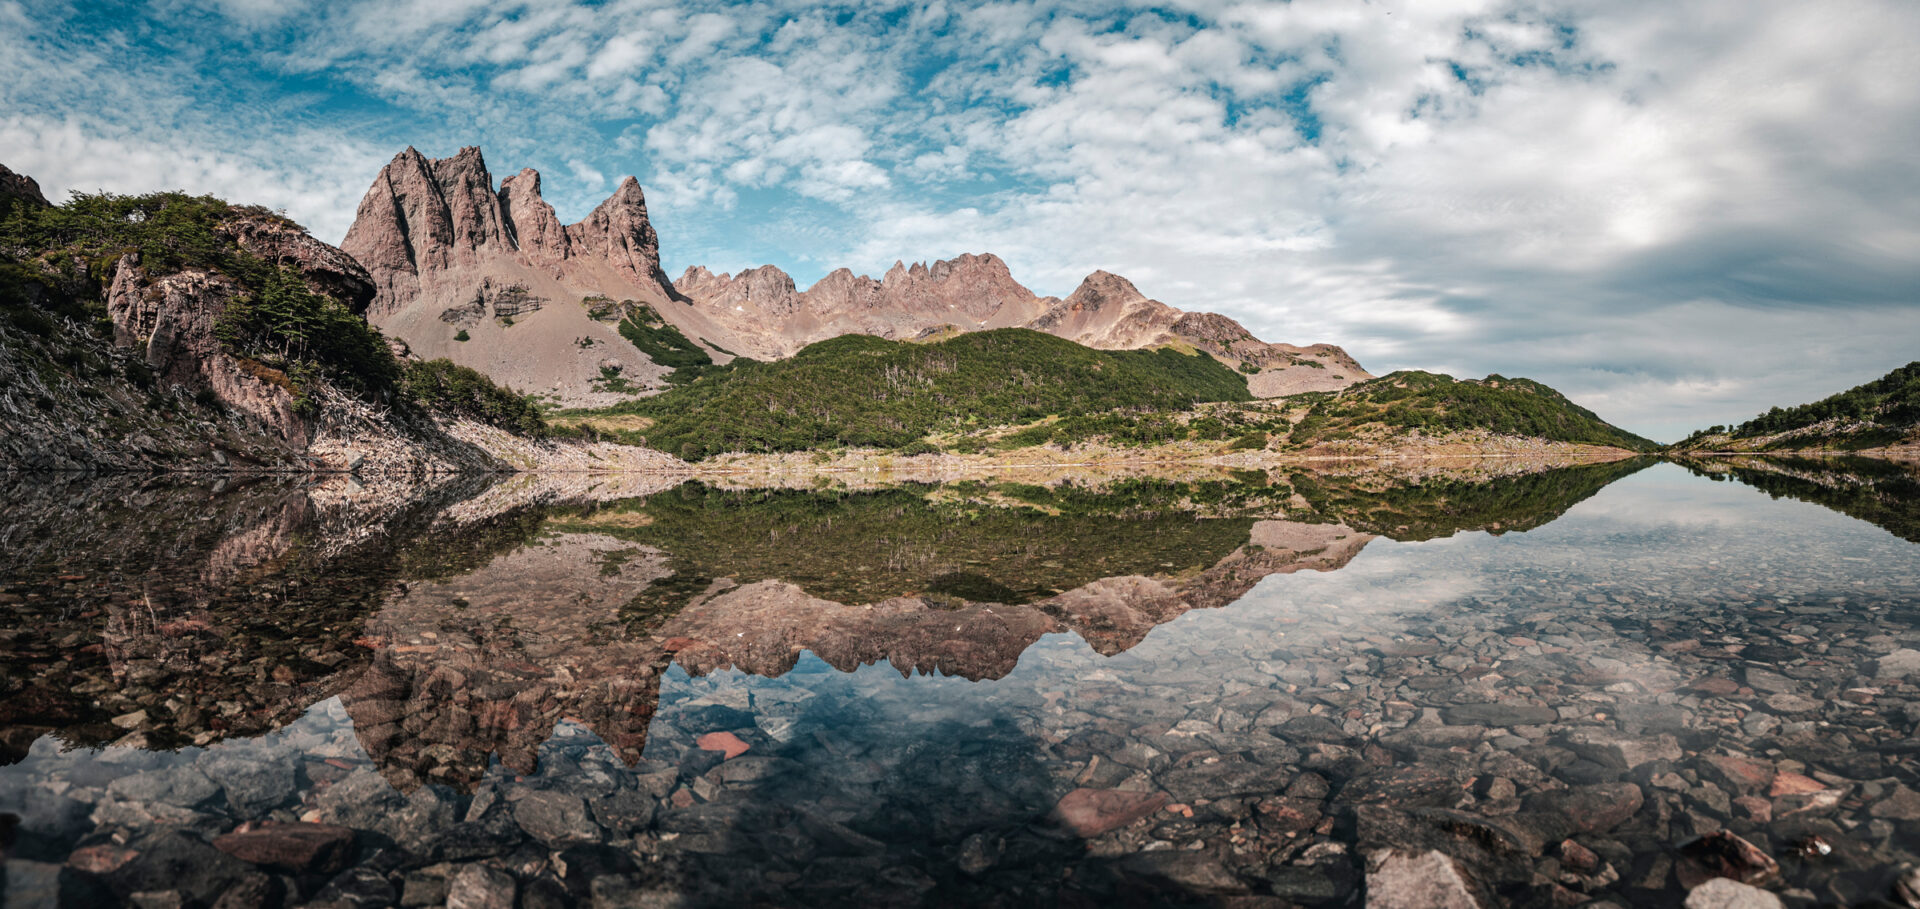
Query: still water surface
[[1317, 688]]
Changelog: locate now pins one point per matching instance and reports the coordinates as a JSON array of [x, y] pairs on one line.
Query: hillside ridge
[[1881, 415]]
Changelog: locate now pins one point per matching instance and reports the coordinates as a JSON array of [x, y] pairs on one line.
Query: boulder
[[1091, 812], [1418, 880], [1721, 893]]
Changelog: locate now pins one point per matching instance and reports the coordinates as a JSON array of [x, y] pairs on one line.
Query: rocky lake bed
[[1626, 684]]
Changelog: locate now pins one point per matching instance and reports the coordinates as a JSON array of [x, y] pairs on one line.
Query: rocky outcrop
[[172, 318], [435, 235], [328, 269], [424, 217], [619, 233], [773, 319], [19, 187]]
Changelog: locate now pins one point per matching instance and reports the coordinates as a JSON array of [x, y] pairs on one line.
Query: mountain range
[[175, 332], [488, 277]]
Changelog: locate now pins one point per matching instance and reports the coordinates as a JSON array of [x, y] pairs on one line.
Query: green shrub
[[922, 447], [1429, 402], [284, 321], [462, 335], [863, 391], [443, 387], [1249, 442], [660, 341]]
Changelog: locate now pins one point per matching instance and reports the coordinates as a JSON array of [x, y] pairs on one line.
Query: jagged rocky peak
[[619, 232], [19, 187], [424, 216], [697, 281], [1104, 288], [537, 231]]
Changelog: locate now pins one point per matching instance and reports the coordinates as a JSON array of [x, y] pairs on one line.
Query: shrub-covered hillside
[[168, 331], [1885, 411], [1434, 404], [859, 390]]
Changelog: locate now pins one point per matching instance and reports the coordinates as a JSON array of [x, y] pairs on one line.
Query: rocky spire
[[536, 230], [619, 232], [425, 216]]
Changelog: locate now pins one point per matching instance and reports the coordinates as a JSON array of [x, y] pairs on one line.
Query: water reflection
[[982, 691]]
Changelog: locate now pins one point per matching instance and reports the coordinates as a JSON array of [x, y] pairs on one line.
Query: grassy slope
[[1882, 412], [1434, 404], [859, 390]]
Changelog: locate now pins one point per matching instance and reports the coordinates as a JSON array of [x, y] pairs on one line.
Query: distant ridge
[[977, 292]]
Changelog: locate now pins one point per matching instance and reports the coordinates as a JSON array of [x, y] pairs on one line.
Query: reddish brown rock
[[100, 859], [1715, 686], [726, 743], [1577, 857], [1788, 783], [1737, 774], [1902, 804], [1591, 809], [172, 318], [426, 222], [1757, 809], [291, 847], [619, 233], [1288, 815], [1091, 812]]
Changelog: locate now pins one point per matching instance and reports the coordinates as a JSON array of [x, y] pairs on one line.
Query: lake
[[1401, 685]]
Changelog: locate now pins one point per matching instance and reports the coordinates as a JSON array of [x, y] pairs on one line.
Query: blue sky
[[1678, 212]]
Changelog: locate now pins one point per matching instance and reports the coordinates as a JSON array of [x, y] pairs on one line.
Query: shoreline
[[537, 458]]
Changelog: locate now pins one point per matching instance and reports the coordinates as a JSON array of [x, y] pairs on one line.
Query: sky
[[1678, 212]]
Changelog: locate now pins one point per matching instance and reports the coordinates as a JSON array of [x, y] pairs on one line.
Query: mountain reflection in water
[[513, 677]]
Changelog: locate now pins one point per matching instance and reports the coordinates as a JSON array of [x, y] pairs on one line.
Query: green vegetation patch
[[660, 341], [973, 541], [1890, 405], [284, 324], [1434, 403], [859, 390], [444, 387]]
